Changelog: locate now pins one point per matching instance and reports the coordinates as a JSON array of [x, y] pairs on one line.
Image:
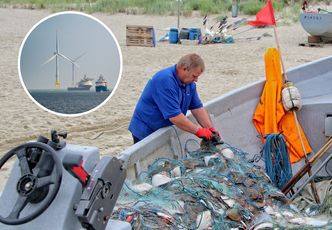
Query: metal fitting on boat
[[291, 97]]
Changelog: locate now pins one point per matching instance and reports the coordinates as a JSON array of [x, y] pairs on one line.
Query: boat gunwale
[[143, 149]]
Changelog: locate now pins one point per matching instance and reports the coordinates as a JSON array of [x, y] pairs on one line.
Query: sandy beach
[[228, 66]]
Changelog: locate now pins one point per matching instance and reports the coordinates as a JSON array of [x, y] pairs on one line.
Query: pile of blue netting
[[214, 187]]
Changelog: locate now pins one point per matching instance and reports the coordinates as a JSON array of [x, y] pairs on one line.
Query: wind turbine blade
[[74, 64], [50, 59], [67, 58], [80, 71], [80, 56]]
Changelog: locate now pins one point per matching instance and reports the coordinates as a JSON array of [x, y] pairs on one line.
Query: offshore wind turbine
[[56, 56], [73, 64]]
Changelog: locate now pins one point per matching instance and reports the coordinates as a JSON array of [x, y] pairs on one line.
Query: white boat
[[84, 84], [232, 115], [317, 24]]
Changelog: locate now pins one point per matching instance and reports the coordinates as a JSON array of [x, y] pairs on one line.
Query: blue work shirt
[[163, 97]]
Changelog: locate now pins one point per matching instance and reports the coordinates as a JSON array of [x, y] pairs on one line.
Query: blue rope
[[277, 164]]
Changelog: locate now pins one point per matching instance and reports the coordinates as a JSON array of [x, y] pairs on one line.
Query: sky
[[77, 34]]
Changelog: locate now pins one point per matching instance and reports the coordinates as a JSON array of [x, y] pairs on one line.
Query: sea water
[[69, 102]]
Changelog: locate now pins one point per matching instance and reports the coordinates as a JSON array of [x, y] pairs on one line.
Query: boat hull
[[84, 88], [101, 89], [232, 115], [317, 24]]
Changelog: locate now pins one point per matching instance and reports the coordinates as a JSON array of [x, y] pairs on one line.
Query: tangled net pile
[[209, 189]]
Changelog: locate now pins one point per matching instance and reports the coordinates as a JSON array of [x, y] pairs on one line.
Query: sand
[[228, 66]]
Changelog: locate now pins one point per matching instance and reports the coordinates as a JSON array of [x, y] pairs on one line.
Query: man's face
[[189, 76]]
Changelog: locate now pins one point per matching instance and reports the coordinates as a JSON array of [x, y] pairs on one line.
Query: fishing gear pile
[[218, 31], [214, 187]]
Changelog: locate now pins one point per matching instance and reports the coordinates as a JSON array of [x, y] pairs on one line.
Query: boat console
[[55, 185]]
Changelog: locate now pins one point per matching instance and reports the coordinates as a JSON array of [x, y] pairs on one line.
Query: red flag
[[265, 16]]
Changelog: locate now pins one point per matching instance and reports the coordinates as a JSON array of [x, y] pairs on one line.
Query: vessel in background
[[84, 84], [317, 24], [101, 84]]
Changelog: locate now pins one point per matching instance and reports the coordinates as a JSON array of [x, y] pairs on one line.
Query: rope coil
[[277, 164]]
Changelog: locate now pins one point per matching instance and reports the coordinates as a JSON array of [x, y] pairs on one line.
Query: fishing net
[[305, 201], [214, 187]]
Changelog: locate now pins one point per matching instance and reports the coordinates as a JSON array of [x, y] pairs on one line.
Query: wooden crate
[[140, 36]]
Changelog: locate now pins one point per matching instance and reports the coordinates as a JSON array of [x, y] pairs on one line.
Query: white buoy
[[176, 172], [159, 179], [230, 202], [264, 226], [208, 158], [291, 97], [309, 221], [142, 188], [269, 210], [228, 153], [203, 220], [287, 214]]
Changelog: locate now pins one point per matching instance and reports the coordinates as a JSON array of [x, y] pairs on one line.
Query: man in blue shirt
[[167, 97]]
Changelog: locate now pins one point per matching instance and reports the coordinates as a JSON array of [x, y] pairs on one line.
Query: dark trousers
[[135, 139]]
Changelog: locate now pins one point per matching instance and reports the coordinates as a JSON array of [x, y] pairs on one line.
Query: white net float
[[291, 97]]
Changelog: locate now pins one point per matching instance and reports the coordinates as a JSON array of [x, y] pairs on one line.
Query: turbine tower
[[73, 64], [56, 56]]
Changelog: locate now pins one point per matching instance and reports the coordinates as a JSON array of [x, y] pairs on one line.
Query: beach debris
[[252, 38], [266, 35], [165, 37], [97, 135]]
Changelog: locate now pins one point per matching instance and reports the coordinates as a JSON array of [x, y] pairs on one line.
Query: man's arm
[[184, 123], [202, 117]]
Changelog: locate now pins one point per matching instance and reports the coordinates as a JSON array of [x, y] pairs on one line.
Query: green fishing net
[[214, 187]]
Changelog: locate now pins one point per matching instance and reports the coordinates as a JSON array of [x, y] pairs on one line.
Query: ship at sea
[[84, 84], [101, 84]]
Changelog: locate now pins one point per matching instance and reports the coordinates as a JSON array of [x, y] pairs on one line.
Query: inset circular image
[[70, 63]]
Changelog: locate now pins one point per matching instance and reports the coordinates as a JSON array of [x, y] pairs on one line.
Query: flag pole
[[178, 15], [284, 75], [278, 46]]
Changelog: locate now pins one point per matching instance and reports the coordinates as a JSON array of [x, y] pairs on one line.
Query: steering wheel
[[32, 181]]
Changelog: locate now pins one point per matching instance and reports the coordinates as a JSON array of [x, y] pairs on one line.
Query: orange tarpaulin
[[270, 116]]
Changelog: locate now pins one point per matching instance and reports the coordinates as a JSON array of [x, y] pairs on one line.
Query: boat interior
[[232, 115]]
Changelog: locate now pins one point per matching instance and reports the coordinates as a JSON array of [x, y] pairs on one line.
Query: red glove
[[204, 133], [214, 131]]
